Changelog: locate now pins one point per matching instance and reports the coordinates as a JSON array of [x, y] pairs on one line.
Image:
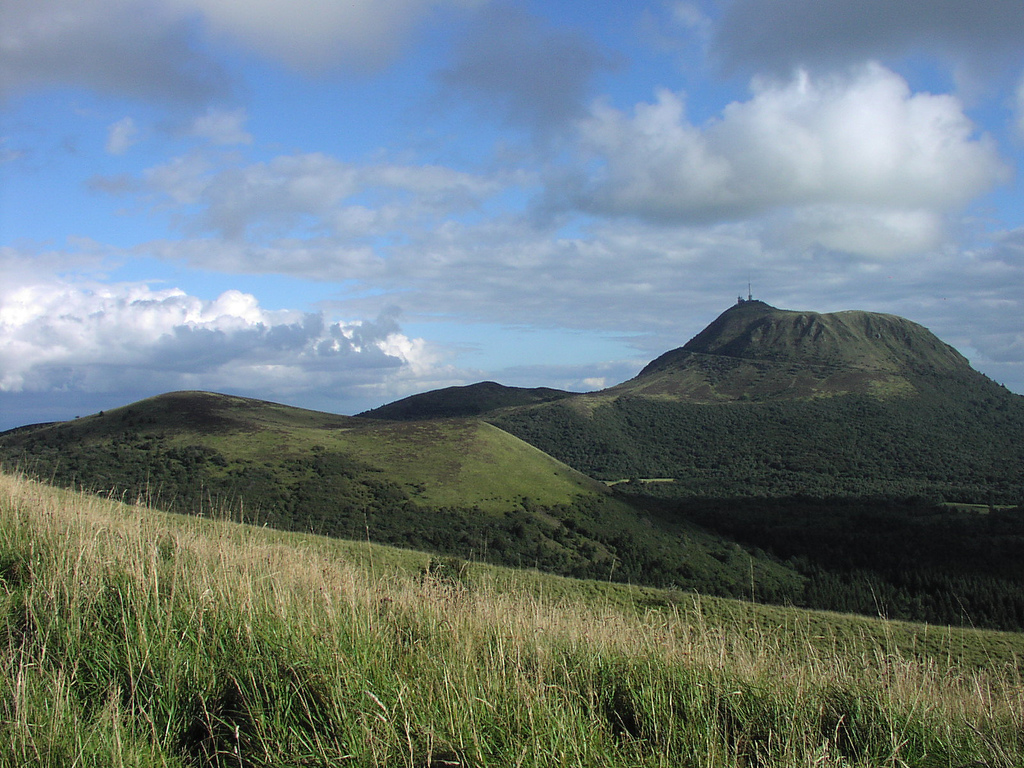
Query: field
[[130, 637]]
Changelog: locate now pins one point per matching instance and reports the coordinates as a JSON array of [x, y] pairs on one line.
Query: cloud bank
[[130, 338]]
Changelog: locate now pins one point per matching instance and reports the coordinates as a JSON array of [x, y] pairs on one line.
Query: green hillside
[[953, 440], [232, 441], [134, 638], [453, 486]]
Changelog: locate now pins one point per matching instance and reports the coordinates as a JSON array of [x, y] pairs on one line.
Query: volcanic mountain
[[754, 351], [751, 352], [771, 402]]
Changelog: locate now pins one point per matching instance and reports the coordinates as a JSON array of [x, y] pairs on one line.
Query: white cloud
[[222, 127], [121, 136], [56, 336], [312, 195], [859, 140]]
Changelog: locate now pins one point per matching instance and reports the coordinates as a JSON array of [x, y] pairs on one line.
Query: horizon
[[335, 207], [740, 302]]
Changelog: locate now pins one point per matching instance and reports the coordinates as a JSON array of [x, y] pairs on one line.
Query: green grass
[[443, 462], [135, 638], [467, 463]]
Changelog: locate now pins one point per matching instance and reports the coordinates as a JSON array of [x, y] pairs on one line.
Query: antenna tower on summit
[[750, 295]]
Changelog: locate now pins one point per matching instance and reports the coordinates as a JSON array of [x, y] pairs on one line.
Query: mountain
[[751, 352], [773, 403], [754, 351], [848, 461]]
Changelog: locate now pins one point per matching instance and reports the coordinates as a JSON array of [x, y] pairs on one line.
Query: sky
[[336, 205]]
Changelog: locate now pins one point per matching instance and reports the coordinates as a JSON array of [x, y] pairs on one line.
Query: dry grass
[[131, 637]]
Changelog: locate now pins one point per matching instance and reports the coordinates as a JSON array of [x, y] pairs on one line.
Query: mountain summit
[[755, 351]]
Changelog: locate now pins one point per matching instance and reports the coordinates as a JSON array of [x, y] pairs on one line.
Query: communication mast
[[750, 295]]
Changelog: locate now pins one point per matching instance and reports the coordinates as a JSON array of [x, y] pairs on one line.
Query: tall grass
[[134, 638]]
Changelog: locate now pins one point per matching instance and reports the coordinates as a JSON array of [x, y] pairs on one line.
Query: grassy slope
[[444, 462], [467, 463], [129, 637], [461, 487]]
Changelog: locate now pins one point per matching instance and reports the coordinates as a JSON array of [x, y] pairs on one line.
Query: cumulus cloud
[[861, 139], [780, 35], [514, 67], [56, 337]]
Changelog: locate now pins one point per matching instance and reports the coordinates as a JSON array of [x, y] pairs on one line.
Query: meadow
[[131, 637]]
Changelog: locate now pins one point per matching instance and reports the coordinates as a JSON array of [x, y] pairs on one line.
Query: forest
[[953, 442]]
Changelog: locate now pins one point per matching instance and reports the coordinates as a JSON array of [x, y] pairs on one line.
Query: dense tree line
[[905, 559], [956, 441]]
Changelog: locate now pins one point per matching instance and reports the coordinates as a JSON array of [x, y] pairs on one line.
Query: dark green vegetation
[[817, 460], [907, 560], [456, 402], [953, 440]]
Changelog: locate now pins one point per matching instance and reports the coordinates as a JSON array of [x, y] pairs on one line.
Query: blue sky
[[335, 205]]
